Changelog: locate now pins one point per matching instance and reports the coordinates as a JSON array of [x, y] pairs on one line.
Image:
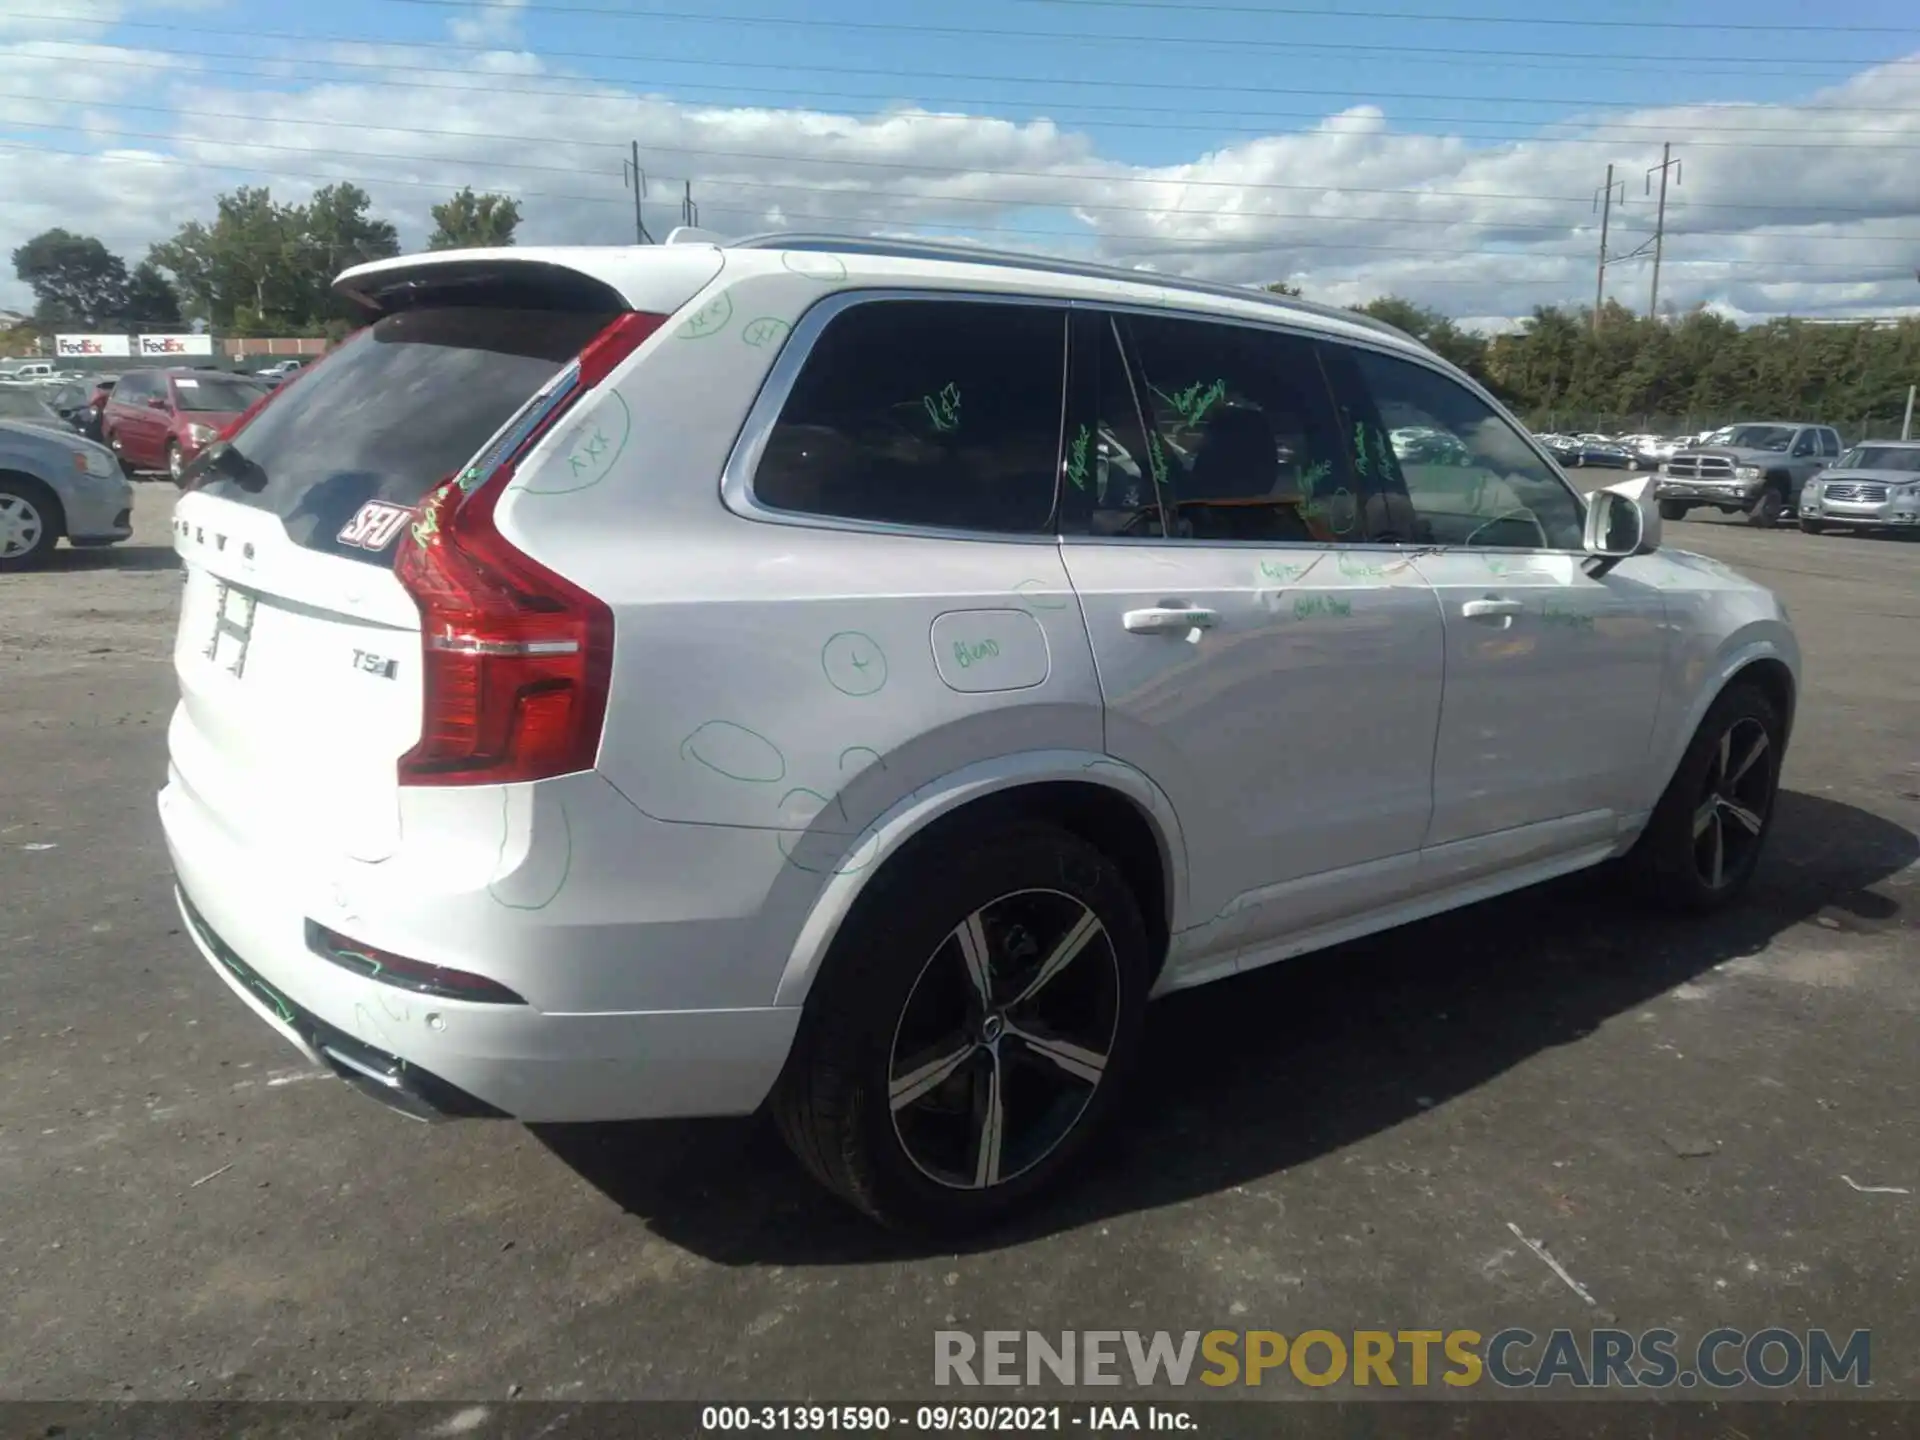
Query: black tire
[[1812, 527], [30, 524], [883, 997], [1674, 509], [1674, 857], [1767, 508]]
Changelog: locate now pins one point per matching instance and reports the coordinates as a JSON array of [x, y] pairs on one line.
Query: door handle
[[1491, 608], [1169, 620]]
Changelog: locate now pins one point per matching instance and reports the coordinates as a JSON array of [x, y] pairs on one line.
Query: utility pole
[[1660, 222], [1603, 201], [689, 212], [632, 174]]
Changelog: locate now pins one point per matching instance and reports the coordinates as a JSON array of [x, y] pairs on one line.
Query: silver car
[[54, 483], [1874, 485]]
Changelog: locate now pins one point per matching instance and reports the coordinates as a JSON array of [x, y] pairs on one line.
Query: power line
[[1345, 13], [519, 7], [1164, 244], [1527, 133], [392, 68], [1586, 61], [879, 26], [918, 168], [1535, 138]]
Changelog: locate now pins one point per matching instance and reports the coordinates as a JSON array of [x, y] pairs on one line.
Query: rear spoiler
[[595, 279]]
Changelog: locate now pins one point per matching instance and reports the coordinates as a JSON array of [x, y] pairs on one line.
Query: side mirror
[[1622, 520]]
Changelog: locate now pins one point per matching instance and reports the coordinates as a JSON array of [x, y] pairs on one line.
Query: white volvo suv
[[855, 677]]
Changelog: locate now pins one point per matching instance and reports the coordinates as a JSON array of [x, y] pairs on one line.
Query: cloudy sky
[[1450, 151]]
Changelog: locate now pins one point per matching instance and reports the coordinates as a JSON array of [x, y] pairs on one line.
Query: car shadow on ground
[[1251, 1076], [112, 557]]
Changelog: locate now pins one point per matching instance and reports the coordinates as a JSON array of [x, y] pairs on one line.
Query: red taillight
[[516, 660]]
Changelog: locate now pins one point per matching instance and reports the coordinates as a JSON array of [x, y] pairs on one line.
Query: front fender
[[848, 863]]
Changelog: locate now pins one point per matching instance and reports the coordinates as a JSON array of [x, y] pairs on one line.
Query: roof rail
[[1053, 265], [693, 235]]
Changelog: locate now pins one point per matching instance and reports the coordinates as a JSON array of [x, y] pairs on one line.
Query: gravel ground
[[1681, 1114]]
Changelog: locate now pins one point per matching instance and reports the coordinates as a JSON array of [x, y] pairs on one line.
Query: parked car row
[[1766, 470], [1590, 450]]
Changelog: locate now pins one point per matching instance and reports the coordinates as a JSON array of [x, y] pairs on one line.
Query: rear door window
[[393, 413], [937, 413], [1242, 437]]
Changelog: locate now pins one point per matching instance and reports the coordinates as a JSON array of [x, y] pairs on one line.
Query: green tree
[[76, 280], [263, 268], [469, 221], [151, 302]]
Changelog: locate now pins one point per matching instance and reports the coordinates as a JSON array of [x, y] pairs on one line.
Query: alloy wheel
[[1732, 811], [174, 464], [1004, 1039], [20, 526]]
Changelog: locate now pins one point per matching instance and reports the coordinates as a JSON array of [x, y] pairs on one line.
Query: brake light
[[515, 660]]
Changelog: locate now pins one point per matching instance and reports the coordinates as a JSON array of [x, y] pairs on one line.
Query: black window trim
[[736, 479]]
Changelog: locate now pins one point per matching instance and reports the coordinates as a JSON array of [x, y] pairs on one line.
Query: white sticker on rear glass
[[186, 384], [375, 525]]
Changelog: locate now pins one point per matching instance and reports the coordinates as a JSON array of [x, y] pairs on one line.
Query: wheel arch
[[1769, 659], [42, 492], [1110, 805]]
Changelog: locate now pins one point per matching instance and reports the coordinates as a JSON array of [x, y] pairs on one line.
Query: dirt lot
[[1683, 1115]]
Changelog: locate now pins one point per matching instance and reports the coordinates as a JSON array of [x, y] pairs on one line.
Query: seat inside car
[[1233, 489]]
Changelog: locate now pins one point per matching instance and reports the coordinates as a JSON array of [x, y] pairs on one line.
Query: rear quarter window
[[393, 412], [937, 413]]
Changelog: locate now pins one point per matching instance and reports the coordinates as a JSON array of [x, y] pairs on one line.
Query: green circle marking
[[735, 752], [813, 266], [853, 663], [710, 319], [767, 330]]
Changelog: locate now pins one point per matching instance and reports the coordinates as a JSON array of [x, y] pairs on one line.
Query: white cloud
[[494, 23], [1350, 209]]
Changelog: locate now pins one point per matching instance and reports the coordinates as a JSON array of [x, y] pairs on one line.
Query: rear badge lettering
[[375, 664], [375, 526]]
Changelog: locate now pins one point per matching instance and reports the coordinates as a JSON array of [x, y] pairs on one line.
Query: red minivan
[[161, 419]]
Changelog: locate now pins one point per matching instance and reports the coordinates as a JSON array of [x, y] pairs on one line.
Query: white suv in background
[[856, 677]]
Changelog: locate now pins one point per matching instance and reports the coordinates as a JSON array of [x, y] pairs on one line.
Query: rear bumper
[[429, 1056]]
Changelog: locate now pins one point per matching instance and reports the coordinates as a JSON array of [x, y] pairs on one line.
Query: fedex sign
[[161, 346], [80, 346]]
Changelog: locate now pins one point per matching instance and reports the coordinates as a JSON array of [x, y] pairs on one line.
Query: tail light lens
[[516, 660]]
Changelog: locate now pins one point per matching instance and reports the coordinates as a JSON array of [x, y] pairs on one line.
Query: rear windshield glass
[[392, 413], [214, 394]]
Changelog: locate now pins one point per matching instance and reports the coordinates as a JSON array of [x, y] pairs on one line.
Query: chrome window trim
[[736, 479]]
